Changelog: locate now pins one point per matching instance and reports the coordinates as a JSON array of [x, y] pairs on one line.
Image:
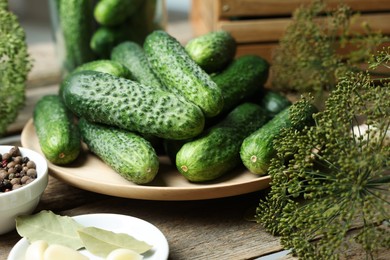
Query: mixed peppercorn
[[16, 170]]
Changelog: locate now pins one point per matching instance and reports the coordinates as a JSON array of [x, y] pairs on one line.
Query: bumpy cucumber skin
[[257, 149], [180, 74], [212, 51], [133, 57], [103, 98], [242, 78], [58, 136], [107, 66], [115, 12], [76, 26], [127, 153], [216, 151]]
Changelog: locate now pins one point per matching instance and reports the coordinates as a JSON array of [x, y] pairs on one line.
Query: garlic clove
[[59, 252], [124, 254], [36, 250]]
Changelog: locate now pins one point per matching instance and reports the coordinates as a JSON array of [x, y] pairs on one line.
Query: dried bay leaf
[[101, 242], [52, 228]]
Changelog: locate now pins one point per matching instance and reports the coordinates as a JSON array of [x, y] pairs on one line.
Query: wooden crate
[[257, 25]]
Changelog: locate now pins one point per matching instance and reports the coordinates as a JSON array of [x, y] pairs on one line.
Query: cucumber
[[106, 38], [76, 23], [150, 17], [133, 57], [216, 151], [58, 136], [103, 98], [257, 149], [127, 153], [115, 12], [106, 66], [212, 51], [274, 102], [180, 74], [243, 77]]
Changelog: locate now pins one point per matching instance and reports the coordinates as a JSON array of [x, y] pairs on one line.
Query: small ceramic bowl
[[24, 200]]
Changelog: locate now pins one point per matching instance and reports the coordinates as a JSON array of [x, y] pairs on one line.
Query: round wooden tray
[[88, 172]]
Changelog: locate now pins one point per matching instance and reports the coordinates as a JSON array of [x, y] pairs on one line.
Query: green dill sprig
[[317, 62], [335, 176], [15, 65]]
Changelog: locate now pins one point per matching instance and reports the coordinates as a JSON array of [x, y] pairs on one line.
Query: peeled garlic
[[59, 252], [124, 254], [36, 250]]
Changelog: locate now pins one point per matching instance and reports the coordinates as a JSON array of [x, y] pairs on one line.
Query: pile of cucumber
[[198, 103], [121, 20]]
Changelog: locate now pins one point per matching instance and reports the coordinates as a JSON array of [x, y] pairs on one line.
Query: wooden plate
[[88, 172]]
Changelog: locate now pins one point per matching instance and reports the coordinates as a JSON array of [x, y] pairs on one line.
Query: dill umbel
[[314, 51], [334, 176]]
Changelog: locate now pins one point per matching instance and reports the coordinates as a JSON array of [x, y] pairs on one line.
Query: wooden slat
[[250, 31], [378, 22], [270, 30], [263, 50], [229, 8], [204, 16], [200, 27], [266, 50]]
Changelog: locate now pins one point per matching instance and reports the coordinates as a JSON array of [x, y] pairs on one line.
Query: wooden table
[[206, 229], [209, 229]]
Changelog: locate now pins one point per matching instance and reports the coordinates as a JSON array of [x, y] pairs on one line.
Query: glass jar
[[87, 30]]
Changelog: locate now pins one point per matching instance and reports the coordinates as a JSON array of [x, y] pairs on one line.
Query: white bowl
[[24, 200]]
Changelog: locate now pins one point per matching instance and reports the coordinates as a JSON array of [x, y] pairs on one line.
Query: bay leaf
[[101, 242], [50, 227]]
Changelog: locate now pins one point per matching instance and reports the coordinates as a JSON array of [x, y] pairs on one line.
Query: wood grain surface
[[202, 229]]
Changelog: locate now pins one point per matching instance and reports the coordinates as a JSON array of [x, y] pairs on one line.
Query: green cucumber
[[129, 154], [103, 98], [150, 17], [180, 74], [274, 102], [257, 149], [216, 151], [133, 57], [243, 77], [106, 38], [106, 66], [75, 32], [115, 12], [58, 136], [212, 51]]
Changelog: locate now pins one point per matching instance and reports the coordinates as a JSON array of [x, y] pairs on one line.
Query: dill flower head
[[14, 66], [335, 176], [315, 36]]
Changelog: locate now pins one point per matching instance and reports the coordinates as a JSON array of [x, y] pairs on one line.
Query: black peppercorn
[[16, 171]]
